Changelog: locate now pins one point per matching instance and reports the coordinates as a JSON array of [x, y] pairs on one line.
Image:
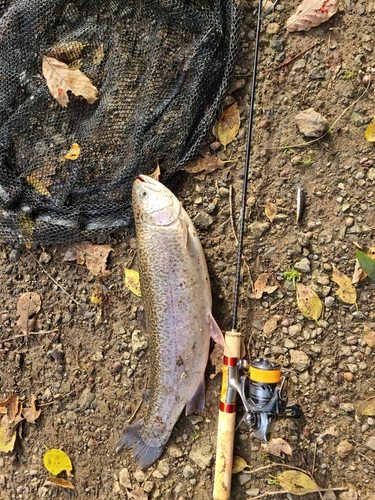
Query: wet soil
[[89, 372]]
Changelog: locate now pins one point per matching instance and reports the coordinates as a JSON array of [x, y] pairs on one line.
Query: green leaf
[[297, 482], [367, 264]]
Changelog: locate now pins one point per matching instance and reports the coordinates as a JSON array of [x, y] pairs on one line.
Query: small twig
[[314, 458], [273, 277], [139, 405], [367, 458], [50, 277], [329, 131], [285, 63], [300, 492], [231, 213], [30, 333], [275, 464], [63, 395]]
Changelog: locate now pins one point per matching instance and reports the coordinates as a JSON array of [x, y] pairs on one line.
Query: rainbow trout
[[177, 300]]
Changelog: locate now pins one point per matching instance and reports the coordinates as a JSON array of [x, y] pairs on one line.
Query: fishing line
[[246, 172]]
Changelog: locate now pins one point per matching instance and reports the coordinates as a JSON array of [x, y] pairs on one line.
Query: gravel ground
[[89, 373]]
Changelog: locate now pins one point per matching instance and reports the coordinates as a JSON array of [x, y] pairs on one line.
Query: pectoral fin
[[196, 402], [215, 333]]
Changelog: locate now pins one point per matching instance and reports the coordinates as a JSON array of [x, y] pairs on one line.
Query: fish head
[[153, 203]]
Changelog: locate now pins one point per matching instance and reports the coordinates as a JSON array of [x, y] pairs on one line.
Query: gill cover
[[153, 203]]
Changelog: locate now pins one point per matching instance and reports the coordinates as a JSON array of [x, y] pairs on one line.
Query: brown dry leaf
[[28, 306], [216, 358], [277, 447], [95, 257], [270, 211], [137, 493], [207, 164], [308, 302], [260, 286], [271, 324], [9, 423], [346, 292], [59, 481], [311, 13], [60, 78], [229, 125], [100, 296], [10, 406], [73, 152], [369, 336], [31, 414], [156, 173]]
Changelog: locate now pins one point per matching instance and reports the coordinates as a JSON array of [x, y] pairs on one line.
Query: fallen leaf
[[229, 125], [156, 173], [55, 461], [346, 292], [369, 336], [260, 286], [60, 78], [59, 481], [28, 306], [31, 414], [25, 226], [270, 211], [38, 184], [9, 422], [137, 493], [370, 131], [367, 263], [296, 482], [308, 302], [216, 358], [100, 296], [366, 408], [311, 13], [131, 281], [277, 447], [10, 405], [207, 164], [7, 445], [95, 257], [239, 464], [68, 51], [271, 325], [99, 55], [73, 152]]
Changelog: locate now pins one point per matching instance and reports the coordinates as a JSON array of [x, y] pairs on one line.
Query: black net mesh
[[161, 68]]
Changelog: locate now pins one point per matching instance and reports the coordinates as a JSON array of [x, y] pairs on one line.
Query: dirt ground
[[89, 373]]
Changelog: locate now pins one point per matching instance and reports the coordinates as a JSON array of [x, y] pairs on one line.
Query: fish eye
[[143, 194]]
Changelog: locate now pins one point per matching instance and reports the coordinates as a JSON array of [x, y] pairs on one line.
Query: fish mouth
[[150, 181]]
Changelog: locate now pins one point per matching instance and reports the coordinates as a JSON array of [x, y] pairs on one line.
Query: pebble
[[370, 443], [139, 341], [295, 329], [299, 360], [174, 451], [273, 28], [371, 174], [344, 448], [257, 229], [188, 471], [124, 478], [139, 476], [329, 301], [303, 265], [13, 255], [201, 454], [252, 492], [203, 220]]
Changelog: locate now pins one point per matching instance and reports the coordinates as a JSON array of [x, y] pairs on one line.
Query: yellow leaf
[[55, 461], [38, 184], [346, 292], [132, 281], [64, 483], [366, 407], [60, 78], [68, 52], [270, 211], [308, 302], [99, 55], [370, 131], [369, 336], [229, 125], [25, 225], [5, 445], [100, 296], [73, 152], [296, 482], [239, 464]]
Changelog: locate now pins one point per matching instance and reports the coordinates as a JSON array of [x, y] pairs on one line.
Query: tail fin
[[144, 454]]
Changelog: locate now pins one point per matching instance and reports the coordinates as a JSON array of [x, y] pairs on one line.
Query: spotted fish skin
[[177, 300]]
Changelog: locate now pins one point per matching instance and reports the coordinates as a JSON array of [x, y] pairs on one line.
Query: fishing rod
[[263, 390]]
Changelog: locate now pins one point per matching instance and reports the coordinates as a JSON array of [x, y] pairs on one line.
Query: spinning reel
[[264, 394]]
